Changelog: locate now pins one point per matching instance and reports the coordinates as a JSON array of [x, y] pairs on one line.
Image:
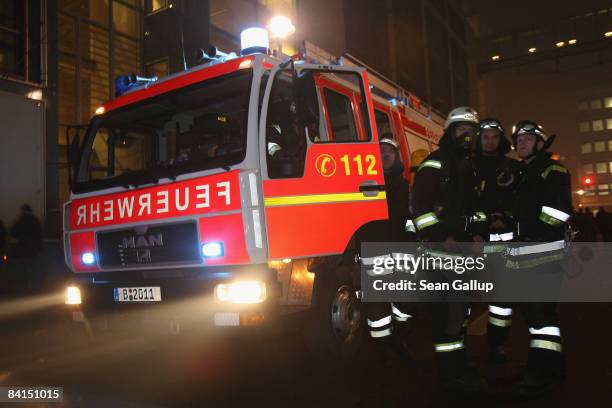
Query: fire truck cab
[[231, 194]]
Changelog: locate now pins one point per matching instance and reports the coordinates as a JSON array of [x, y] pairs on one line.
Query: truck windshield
[[199, 127]]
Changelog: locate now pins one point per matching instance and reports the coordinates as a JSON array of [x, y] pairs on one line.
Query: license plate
[[141, 294]]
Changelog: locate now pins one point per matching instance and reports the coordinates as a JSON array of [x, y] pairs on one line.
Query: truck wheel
[[337, 320]]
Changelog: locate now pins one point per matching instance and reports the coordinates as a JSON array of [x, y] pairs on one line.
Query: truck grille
[[168, 244]]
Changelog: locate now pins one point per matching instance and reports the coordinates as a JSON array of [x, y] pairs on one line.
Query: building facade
[[59, 60], [559, 75]]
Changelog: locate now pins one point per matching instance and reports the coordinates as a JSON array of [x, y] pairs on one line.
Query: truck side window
[[285, 137], [345, 107], [383, 124], [341, 118]]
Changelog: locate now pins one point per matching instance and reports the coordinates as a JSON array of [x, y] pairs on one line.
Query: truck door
[[322, 176]]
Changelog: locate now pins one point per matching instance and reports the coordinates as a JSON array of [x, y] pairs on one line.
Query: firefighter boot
[[468, 383], [537, 385]]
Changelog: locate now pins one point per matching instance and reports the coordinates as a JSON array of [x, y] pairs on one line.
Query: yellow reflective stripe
[[446, 347], [426, 220], [321, 198], [483, 183], [553, 167], [479, 217], [530, 263], [491, 249], [500, 322], [434, 164], [553, 212], [550, 220], [545, 344], [410, 226], [381, 333]]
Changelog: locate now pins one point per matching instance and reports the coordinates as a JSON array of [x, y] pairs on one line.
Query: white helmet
[[461, 114]]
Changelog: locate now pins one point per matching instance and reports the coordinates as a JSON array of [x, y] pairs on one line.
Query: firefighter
[[542, 210], [391, 322], [444, 203], [496, 174]]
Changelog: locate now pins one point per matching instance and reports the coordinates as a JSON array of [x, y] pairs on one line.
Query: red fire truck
[[233, 193]]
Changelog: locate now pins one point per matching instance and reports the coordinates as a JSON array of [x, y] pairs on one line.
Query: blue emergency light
[[254, 40]]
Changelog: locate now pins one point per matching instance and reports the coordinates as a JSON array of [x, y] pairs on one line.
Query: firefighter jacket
[[497, 179], [445, 195], [543, 200], [398, 202]]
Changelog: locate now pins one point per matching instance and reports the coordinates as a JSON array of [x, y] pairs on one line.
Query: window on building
[[84, 71], [602, 167], [586, 148], [12, 37], [596, 104], [610, 166], [587, 168], [126, 20], [609, 123], [159, 68], [598, 125], [583, 105], [151, 6], [603, 189], [600, 146], [608, 102], [585, 127]]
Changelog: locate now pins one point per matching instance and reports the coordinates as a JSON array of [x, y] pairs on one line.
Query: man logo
[[143, 241], [325, 165]]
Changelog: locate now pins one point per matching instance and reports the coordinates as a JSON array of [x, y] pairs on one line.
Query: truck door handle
[[371, 190]]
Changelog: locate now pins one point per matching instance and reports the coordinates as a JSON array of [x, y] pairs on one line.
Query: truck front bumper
[[190, 300]]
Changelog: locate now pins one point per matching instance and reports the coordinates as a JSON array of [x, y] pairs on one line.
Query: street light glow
[[532, 50], [281, 27]]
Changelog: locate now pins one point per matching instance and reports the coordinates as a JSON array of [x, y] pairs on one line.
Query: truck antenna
[[180, 16]]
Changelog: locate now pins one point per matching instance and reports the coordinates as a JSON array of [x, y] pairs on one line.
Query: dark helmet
[[492, 123], [528, 127]]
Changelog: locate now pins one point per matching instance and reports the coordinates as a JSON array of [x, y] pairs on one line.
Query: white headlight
[[241, 292], [73, 295]]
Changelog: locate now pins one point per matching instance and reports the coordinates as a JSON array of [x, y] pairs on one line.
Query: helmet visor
[[528, 128], [490, 124]]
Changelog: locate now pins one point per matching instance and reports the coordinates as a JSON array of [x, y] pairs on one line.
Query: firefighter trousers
[[545, 348], [449, 326], [382, 316], [498, 327]]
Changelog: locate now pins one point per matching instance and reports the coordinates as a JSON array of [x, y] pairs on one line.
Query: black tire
[[336, 324]]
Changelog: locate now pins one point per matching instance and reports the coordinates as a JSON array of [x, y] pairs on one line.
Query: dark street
[[124, 369]]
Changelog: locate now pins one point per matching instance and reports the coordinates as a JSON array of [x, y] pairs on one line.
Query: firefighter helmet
[[491, 123], [462, 114], [389, 141], [528, 127]]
